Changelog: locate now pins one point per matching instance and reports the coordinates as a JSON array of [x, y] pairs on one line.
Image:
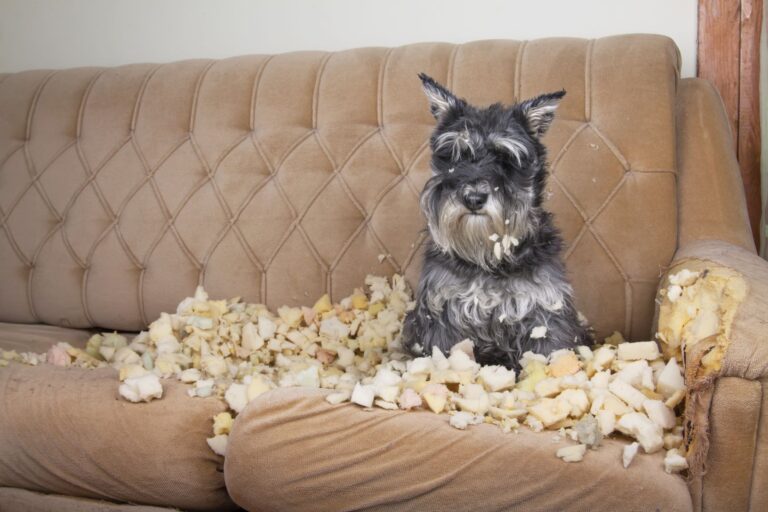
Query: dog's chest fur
[[482, 299]]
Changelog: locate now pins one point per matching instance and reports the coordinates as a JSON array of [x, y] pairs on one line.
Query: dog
[[492, 270]]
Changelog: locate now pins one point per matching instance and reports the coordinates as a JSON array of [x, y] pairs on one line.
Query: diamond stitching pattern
[[195, 208]]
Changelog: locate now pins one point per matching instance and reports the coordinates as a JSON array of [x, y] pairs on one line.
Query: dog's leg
[[424, 329]]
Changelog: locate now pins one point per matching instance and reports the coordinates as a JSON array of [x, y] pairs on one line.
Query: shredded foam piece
[[628, 455], [674, 462], [647, 350], [237, 351], [461, 420], [218, 444], [141, 389], [574, 453]]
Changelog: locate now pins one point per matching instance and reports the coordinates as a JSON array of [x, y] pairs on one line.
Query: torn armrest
[[713, 318]]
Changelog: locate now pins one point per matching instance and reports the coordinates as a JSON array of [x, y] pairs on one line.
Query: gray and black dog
[[492, 270]]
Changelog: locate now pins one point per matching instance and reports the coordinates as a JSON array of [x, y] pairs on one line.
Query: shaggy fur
[[492, 270]]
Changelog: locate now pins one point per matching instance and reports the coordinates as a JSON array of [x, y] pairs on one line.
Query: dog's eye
[[511, 148], [455, 146]]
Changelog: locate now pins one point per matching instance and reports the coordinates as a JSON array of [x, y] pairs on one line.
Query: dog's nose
[[475, 200]]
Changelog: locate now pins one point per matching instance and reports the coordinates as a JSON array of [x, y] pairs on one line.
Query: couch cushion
[[21, 500], [39, 338], [66, 431], [290, 450], [280, 178]]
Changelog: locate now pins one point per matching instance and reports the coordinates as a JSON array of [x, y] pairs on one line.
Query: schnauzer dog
[[492, 270]]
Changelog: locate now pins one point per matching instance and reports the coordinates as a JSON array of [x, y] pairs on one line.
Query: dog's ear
[[540, 111], [441, 100]]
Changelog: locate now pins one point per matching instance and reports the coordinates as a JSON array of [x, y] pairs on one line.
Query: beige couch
[[281, 177]]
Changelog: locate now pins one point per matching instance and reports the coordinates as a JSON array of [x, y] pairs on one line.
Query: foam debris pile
[[237, 351]]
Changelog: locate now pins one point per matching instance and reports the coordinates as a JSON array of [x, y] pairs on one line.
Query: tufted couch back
[[278, 178]]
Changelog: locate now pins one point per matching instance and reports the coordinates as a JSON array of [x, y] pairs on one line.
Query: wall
[[57, 34]]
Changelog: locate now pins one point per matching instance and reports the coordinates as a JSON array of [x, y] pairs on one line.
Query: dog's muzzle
[[474, 201]]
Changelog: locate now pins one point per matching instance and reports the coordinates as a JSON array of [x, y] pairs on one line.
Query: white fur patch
[[511, 145], [458, 142], [439, 102]]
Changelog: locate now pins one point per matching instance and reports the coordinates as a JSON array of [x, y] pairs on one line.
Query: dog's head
[[489, 170]]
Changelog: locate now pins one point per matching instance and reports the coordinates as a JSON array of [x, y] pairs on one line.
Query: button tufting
[[333, 198]]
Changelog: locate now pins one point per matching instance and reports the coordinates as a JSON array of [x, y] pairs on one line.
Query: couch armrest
[[710, 189], [721, 323]]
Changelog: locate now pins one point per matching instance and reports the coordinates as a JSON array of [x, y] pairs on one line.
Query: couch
[[279, 178]]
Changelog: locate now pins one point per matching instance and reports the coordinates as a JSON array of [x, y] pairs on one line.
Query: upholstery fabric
[[711, 193], [278, 178], [39, 338], [326, 457], [20, 500], [65, 431]]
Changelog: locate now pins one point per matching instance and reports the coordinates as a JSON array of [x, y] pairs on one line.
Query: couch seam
[[588, 81], [196, 95], [519, 71], [380, 121], [380, 88], [295, 225], [33, 176], [271, 178], [760, 425], [367, 215], [232, 215], [451, 75], [59, 227], [170, 217], [202, 264], [114, 214]]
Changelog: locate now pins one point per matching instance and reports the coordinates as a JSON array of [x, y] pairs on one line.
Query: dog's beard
[[468, 234]]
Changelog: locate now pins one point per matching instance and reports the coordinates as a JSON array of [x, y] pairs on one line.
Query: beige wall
[[66, 33]]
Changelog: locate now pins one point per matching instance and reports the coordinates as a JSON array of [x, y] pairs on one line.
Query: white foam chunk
[[237, 397], [628, 454], [573, 453], [674, 462], [639, 426], [141, 389], [627, 393], [461, 420], [659, 413], [363, 395], [218, 444], [647, 350], [670, 379]]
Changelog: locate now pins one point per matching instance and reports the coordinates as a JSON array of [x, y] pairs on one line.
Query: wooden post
[[729, 56]]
